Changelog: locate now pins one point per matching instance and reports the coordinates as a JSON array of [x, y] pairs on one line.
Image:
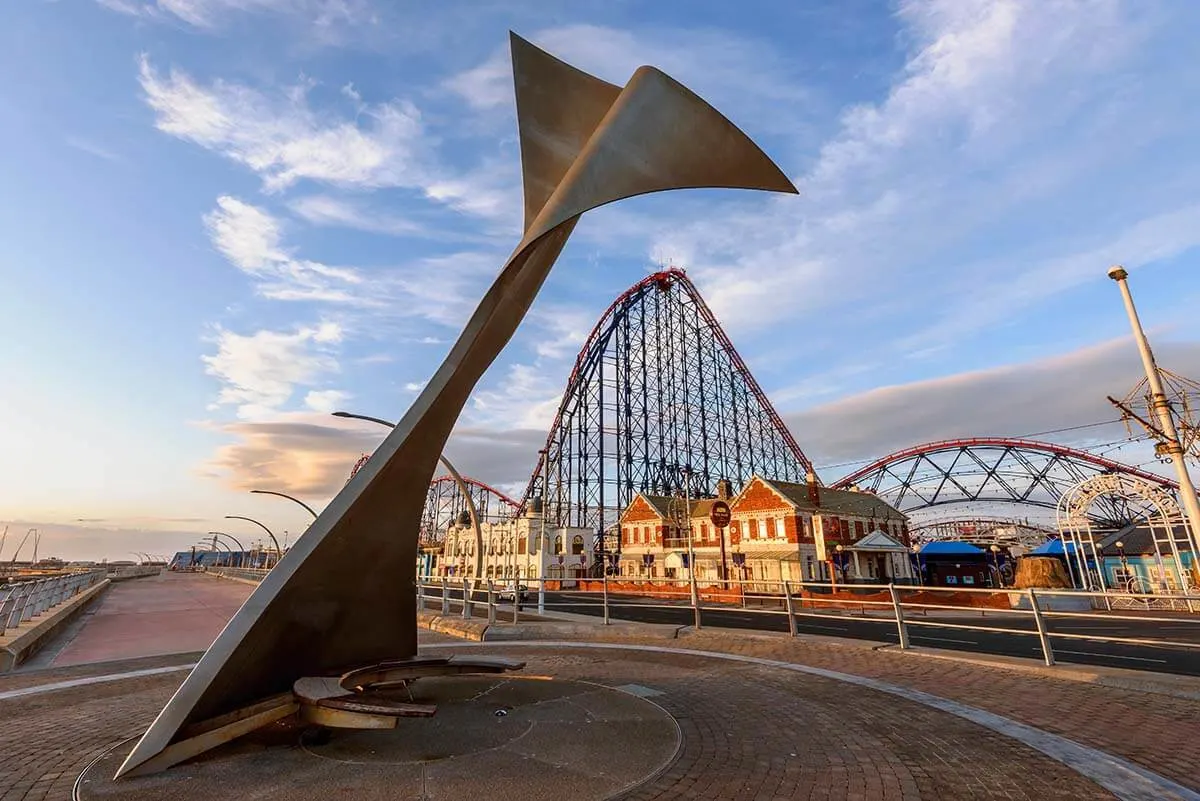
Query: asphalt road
[[933, 631]]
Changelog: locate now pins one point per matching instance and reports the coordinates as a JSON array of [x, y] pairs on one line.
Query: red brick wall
[[759, 497], [640, 510]]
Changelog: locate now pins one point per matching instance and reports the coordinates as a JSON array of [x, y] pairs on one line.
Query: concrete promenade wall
[[18, 644]]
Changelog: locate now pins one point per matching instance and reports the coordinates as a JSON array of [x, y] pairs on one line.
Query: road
[[934, 631]]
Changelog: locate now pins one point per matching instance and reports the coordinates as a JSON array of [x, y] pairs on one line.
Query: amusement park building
[[778, 531], [516, 548]]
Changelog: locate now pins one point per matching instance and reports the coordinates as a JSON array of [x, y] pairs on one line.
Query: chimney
[[724, 489], [814, 492]]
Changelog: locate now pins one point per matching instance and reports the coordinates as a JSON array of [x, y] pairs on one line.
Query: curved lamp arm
[[278, 552], [289, 497], [458, 479]]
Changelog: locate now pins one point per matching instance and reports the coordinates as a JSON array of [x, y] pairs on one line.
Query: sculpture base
[[526, 738]]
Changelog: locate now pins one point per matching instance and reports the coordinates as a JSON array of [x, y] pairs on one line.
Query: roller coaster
[[659, 401]]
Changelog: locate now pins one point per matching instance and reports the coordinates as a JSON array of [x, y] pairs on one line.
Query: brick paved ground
[[164, 614], [748, 732], [1152, 730]]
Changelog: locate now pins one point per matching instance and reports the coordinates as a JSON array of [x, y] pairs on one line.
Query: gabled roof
[[1138, 540], [877, 541], [664, 505], [832, 501]]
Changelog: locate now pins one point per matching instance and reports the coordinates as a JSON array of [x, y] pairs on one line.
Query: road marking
[[66, 685], [842, 629], [1124, 779], [1108, 656], [941, 639]]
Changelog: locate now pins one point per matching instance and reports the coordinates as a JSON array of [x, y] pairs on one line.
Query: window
[[762, 529], [558, 544], [577, 544], [521, 545], [1122, 577]]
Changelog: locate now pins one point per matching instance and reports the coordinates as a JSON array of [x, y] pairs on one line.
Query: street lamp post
[[837, 564], [1124, 563], [1162, 410], [236, 541], [275, 542], [458, 479], [687, 524], [307, 508]]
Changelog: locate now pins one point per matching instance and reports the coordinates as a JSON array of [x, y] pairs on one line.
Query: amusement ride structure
[[659, 401]]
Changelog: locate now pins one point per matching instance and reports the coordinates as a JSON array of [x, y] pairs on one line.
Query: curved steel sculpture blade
[[343, 595]]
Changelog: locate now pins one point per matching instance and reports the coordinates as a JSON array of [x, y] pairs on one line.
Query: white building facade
[[519, 548]]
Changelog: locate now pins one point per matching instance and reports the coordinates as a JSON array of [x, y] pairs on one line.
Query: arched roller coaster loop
[[995, 471]]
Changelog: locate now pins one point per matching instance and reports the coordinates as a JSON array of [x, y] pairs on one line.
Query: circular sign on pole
[[719, 515]]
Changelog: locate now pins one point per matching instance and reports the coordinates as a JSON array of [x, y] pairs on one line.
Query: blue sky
[[223, 219]]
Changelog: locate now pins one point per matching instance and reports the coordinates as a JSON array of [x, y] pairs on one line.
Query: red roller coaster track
[[990, 470], [658, 397]]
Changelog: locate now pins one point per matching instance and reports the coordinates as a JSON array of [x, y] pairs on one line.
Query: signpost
[[720, 516]]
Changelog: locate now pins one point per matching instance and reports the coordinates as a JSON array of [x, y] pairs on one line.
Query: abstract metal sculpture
[[343, 595]]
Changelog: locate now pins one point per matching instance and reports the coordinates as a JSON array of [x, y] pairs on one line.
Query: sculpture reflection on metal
[[343, 595]]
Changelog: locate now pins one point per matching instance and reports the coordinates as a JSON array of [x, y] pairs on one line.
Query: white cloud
[[91, 148], [251, 239], [326, 400], [415, 386], [527, 397], [935, 201], [283, 139], [714, 63], [996, 290], [320, 15], [261, 371], [332, 211], [1013, 400]]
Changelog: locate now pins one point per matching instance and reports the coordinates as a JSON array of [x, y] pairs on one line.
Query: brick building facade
[[779, 531]]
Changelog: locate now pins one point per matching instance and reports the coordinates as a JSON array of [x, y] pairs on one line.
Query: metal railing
[[247, 573], [23, 600], [134, 571], [907, 607]]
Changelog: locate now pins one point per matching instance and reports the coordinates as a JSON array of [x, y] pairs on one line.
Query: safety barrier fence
[[247, 573], [134, 571], [906, 607], [24, 599]]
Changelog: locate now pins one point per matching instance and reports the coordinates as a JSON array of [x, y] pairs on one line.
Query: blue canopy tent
[[953, 563], [950, 548]]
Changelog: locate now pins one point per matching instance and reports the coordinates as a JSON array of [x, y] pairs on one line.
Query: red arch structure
[[658, 401], [991, 470], [444, 504]]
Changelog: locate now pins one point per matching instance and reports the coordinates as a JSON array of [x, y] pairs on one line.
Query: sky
[[221, 220]]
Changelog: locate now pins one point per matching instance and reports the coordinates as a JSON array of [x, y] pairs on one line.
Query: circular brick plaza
[[582, 722]]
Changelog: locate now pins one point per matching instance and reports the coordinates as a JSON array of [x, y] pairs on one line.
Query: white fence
[[24, 600]]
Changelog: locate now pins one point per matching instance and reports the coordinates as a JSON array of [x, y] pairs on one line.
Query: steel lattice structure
[[999, 530], [658, 399], [993, 471], [444, 504]]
